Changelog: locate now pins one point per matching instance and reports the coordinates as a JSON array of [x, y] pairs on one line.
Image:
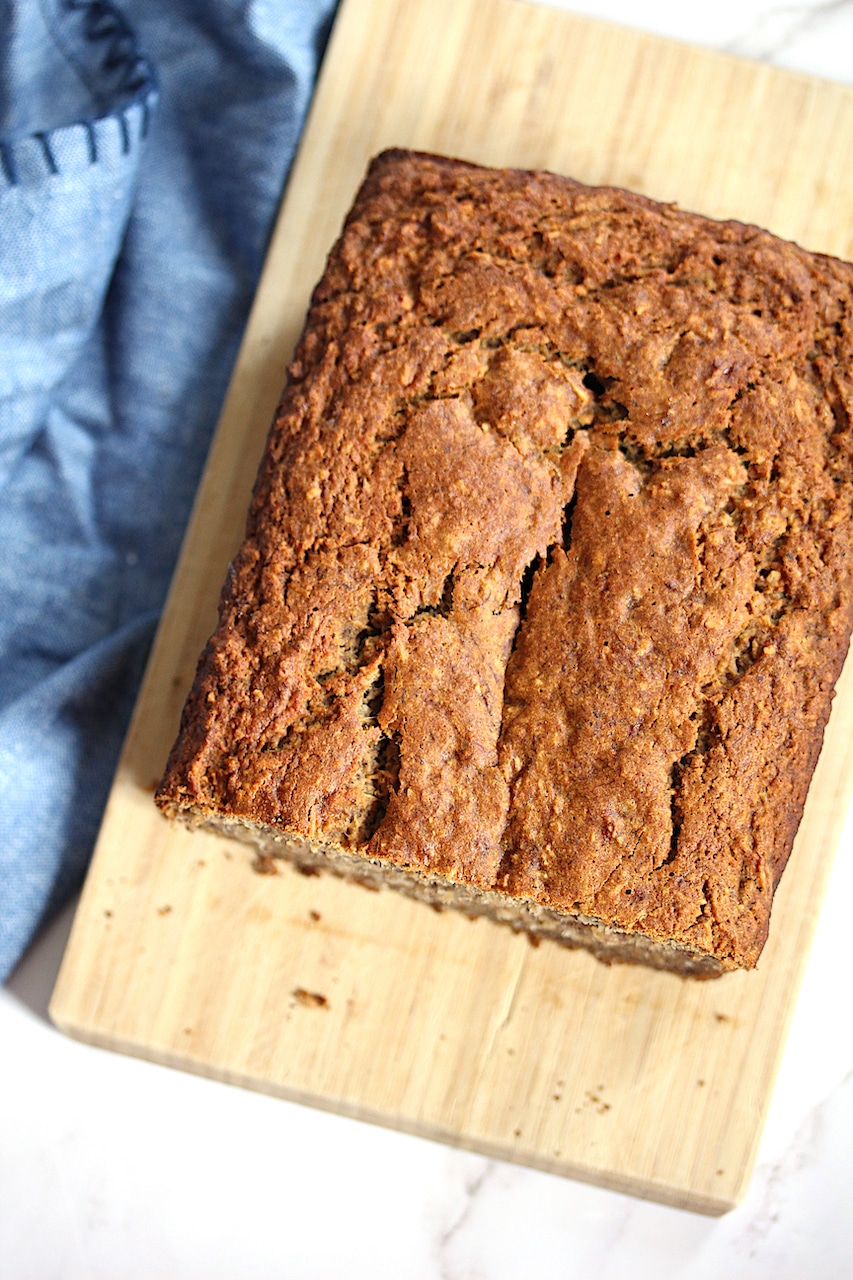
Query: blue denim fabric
[[137, 193]]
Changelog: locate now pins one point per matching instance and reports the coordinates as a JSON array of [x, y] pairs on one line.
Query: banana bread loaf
[[547, 574]]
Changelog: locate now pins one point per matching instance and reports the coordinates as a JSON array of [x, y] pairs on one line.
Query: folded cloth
[[135, 208]]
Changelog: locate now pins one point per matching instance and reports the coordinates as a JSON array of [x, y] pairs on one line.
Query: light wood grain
[[458, 1030]]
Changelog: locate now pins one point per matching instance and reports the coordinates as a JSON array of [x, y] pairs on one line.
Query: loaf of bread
[[547, 575]]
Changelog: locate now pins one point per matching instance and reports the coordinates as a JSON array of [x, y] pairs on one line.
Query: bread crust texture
[[547, 574]]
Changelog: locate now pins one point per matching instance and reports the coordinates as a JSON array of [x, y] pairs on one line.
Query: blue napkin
[[143, 152]]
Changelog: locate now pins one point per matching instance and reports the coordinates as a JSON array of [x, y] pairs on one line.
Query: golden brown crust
[[547, 576]]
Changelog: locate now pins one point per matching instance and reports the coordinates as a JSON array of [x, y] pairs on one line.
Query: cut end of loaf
[[609, 945]]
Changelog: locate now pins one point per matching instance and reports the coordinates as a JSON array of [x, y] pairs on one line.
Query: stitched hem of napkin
[[126, 104]]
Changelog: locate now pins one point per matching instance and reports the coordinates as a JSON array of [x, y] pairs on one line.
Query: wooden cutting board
[[366, 1003]]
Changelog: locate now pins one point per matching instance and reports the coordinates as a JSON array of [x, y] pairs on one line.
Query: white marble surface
[[112, 1168]]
